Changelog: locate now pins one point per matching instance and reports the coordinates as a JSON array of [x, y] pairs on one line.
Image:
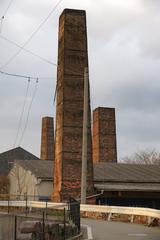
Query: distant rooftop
[[7, 158], [107, 176], [121, 172], [41, 169], [110, 173]]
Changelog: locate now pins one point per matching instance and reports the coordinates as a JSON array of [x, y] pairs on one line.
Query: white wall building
[[32, 177]]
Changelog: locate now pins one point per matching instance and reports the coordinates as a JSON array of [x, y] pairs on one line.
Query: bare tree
[[19, 177], [144, 157]]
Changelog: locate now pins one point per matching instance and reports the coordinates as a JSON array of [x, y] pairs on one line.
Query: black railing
[[66, 221], [74, 213]]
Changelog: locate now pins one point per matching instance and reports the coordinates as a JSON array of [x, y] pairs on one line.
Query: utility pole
[[84, 139]]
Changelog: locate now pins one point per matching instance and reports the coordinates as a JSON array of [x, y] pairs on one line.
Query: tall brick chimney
[[104, 135], [72, 59], [47, 139]]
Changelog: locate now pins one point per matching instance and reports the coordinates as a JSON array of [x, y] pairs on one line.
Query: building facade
[[34, 178]]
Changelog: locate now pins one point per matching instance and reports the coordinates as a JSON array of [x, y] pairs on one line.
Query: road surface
[[103, 230]]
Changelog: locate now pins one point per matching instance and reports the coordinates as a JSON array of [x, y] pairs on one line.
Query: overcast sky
[[124, 57]]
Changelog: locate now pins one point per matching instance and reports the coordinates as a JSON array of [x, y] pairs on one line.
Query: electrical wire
[[1, 24], [56, 88], [16, 75], [8, 7], [22, 113], [32, 35], [26, 50], [4, 15], [24, 103], [29, 109], [55, 95], [23, 76]]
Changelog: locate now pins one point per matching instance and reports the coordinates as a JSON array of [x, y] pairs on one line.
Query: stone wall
[[121, 218]]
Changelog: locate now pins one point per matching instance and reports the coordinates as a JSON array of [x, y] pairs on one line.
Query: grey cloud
[[137, 131], [137, 96], [150, 4], [140, 124], [124, 67]]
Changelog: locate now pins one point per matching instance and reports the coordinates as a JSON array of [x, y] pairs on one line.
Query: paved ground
[[103, 230]]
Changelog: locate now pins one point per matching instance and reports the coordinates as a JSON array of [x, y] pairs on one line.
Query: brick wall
[[72, 59], [47, 139], [104, 135]]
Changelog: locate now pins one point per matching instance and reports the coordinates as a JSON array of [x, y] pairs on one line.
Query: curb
[[88, 232], [76, 237]]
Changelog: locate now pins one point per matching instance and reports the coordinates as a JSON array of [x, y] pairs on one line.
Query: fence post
[[46, 208], [149, 220], [8, 203], [74, 207], [26, 205], [109, 216], [43, 227], [79, 218], [64, 223], [15, 228], [68, 210], [132, 218]]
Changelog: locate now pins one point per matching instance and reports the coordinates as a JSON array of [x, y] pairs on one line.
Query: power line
[[23, 76], [26, 50], [55, 94], [4, 14], [1, 23], [32, 35], [29, 109], [16, 75], [24, 103], [8, 7], [22, 113]]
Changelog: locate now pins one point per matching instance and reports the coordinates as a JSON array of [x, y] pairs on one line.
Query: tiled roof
[[7, 158], [113, 172], [104, 172], [41, 169]]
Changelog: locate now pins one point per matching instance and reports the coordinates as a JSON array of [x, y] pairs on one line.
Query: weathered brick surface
[[47, 139], [72, 59], [104, 135]]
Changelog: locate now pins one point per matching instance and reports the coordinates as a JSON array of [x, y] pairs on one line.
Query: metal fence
[[44, 219], [24, 196], [74, 212], [10, 199], [17, 227]]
